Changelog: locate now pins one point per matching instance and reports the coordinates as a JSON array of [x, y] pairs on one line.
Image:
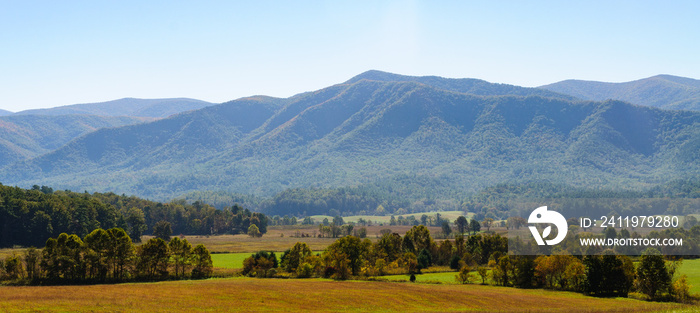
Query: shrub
[[305, 270], [681, 289]]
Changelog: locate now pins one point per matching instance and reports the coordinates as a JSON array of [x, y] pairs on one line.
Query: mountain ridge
[[27, 136], [367, 131], [463, 85], [154, 108], [662, 91]]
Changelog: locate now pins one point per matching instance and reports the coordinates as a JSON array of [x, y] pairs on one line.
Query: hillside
[[662, 91], [463, 85], [402, 136], [3, 112], [26, 136], [155, 108]]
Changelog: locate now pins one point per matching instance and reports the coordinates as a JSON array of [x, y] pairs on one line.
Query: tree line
[[106, 256], [411, 194], [478, 257], [28, 217]]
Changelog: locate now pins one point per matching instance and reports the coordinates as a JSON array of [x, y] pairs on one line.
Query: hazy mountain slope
[[662, 91], [157, 108], [177, 143], [27, 136], [3, 112], [371, 131], [463, 85]]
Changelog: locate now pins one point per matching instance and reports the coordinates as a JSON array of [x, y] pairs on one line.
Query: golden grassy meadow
[[435, 294], [304, 295]]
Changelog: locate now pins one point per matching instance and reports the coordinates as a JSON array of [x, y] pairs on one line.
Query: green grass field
[[436, 278], [230, 260], [233, 260], [691, 268]]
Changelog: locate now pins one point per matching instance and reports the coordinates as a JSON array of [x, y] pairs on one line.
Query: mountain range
[[447, 137], [3, 112], [23, 137], [661, 91], [155, 108]]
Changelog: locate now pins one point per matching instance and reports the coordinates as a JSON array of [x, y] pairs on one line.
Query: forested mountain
[[26, 136], [157, 108], [3, 112], [662, 91], [407, 138], [463, 85]]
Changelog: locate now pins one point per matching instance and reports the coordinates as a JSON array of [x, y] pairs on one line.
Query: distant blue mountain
[[661, 91], [157, 108], [463, 85], [27, 136], [462, 135]]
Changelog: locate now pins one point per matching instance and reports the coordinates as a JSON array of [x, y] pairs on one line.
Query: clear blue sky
[[56, 53]]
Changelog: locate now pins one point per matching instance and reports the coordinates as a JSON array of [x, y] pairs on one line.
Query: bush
[[681, 289], [305, 270], [254, 231]]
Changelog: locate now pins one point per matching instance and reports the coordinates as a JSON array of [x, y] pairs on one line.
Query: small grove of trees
[[353, 256], [260, 264], [608, 275], [108, 256]]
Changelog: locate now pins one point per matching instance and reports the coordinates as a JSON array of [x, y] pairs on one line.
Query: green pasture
[[691, 268], [435, 278], [231, 260]]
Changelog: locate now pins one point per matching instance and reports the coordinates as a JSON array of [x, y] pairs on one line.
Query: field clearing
[[230, 260], [233, 260], [442, 278], [279, 238], [692, 269], [4, 253], [254, 295], [448, 215], [271, 241]]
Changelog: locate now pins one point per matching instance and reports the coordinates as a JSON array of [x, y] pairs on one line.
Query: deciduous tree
[[653, 278], [181, 254], [163, 230]]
